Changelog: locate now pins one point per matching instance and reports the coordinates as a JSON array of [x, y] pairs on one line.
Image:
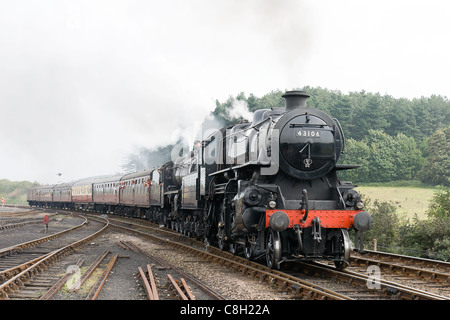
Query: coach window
[[155, 176], [194, 164]]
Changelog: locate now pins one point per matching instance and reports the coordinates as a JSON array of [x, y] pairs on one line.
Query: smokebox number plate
[[308, 133]]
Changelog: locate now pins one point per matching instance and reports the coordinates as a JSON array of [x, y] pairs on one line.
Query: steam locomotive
[[266, 189]]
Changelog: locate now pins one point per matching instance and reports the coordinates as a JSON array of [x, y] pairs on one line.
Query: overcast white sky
[[84, 83]]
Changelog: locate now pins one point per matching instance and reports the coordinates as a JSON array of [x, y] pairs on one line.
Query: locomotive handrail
[[297, 125], [305, 204], [342, 134]]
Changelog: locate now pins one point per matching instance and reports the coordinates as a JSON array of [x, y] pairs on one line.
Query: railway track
[[424, 274], [299, 281], [167, 237], [19, 263], [18, 217], [166, 271], [17, 211], [9, 224], [20, 247], [323, 282], [433, 271], [366, 286]]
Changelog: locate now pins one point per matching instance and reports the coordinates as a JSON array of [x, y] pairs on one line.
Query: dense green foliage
[[15, 192], [393, 139], [383, 157]]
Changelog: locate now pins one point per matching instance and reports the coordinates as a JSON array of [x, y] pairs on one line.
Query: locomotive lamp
[[359, 205]]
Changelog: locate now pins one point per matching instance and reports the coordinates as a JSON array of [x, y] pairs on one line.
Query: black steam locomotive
[[268, 188]]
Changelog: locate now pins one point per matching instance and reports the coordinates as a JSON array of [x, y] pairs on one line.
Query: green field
[[409, 200]]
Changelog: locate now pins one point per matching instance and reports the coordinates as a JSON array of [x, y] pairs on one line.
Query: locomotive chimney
[[295, 99]]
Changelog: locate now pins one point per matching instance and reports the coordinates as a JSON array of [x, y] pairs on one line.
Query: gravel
[[123, 283]]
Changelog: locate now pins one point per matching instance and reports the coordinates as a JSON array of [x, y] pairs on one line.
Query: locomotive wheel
[[273, 249], [249, 250], [345, 247], [221, 243], [232, 248]]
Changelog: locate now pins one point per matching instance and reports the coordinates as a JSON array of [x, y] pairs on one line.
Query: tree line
[[391, 138], [15, 192]]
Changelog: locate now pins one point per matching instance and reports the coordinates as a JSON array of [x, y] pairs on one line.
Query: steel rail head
[[90, 270], [61, 282]]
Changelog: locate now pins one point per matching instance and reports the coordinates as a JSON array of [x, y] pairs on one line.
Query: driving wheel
[[345, 248], [273, 249]]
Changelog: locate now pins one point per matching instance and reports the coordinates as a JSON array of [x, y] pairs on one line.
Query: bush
[[422, 238], [440, 207], [426, 238], [385, 226]]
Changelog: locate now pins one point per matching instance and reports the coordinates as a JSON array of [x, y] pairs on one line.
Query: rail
[[182, 290], [40, 263], [18, 247], [95, 291]]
